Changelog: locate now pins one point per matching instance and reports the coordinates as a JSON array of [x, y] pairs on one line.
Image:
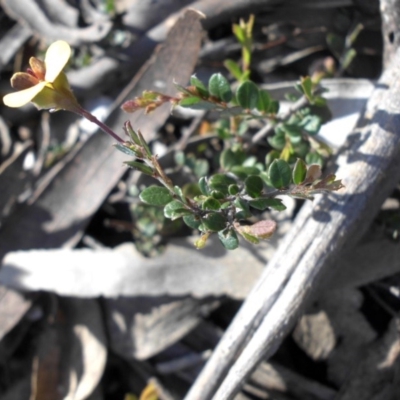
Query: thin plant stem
[[90, 117]]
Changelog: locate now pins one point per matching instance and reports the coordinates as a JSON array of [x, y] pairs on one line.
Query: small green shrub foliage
[[242, 185]]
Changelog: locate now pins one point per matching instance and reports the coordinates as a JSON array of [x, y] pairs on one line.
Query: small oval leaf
[[314, 158], [234, 68], [175, 209], [242, 172], [214, 222], [219, 87], [228, 239], [299, 172], [262, 204], [264, 100], [247, 95], [211, 204], [280, 174], [191, 221], [311, 124], [254, 186], [228, 159], [156, 196], [221, 183], [199, 85]]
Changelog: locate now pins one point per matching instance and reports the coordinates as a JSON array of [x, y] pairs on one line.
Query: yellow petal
[[19, 99], [57, 56]]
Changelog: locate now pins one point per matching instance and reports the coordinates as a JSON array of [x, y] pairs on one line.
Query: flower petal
[[19, 99], [57, 56], [38, 67], [22, 80]]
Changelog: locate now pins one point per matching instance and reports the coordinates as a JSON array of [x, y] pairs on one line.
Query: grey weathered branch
[[322, 231], [30, 14]]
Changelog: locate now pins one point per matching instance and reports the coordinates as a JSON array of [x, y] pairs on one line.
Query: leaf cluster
[[242, 186], [222, 202]]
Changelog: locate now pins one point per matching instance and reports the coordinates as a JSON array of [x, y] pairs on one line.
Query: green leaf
[[140, 167], [220, 182], [233, 190], [214, 222], [250, 161], [311, 124], [263, 203], [228, 159], [156, 195], [277, 141], [254, 186], [242, 128], [191, 221], [191, 190], [200, 167], [314, 158], [307, 86], [179, 157], [228, 239], [249, 238], [294, 133], [247, 95], [125, 149], [271, 156], [182, 89], [217, 194], [279, 174], [195, 103], [239, 32], [299, 172], [189, 101], [234, 68], [219, 87], [319, 101], [348, 58], [244, 206], [302, 149], [144, 144], [199, 85], [211, 204], [179, 193], [243, 172], [264, 101], [273, 107], [131, 132], [204, 186], [175, 209], [287, 152]]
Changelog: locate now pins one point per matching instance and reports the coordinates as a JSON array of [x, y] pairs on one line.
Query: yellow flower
[[44, 84]]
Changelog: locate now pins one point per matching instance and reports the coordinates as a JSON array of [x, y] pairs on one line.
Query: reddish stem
[[90, 117]]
